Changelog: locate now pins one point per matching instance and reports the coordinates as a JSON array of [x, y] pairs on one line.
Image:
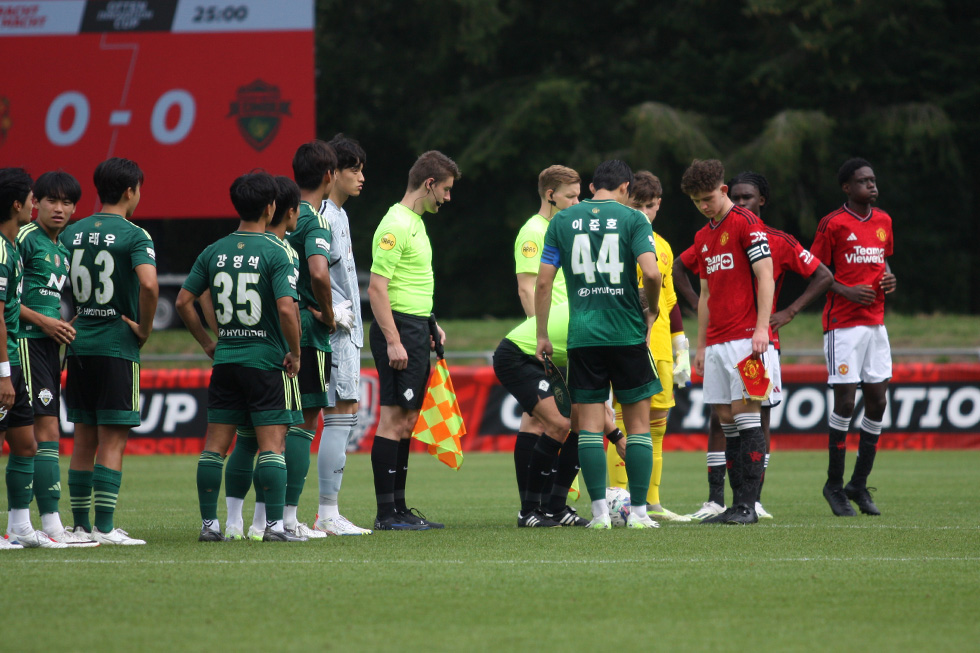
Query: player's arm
[[888, 280], [652, 280], [187, 313], [542, 306], [525, 290], [819, 283], [320, 282], [682, 284], [7, 396], [54, 328], [762, 268], [381, 308], [702, 328], [149, 291], [289, 323], [207, 307]]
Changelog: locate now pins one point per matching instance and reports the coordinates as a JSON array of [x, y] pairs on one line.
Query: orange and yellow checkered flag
[[440, 423]]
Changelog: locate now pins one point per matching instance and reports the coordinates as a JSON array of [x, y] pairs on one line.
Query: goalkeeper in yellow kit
[[669, 349]]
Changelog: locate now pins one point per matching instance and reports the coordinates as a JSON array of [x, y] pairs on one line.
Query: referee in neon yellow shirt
[[401, 299]]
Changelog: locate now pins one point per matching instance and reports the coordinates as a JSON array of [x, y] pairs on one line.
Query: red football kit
[[854, 247], [788, 255], [726, 251]]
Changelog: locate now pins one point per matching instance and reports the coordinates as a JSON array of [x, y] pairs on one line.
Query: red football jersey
[[726, 250], [788, 255], [855, 249], [690, 260]]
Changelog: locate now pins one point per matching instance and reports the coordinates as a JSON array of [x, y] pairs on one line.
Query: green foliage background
[[789, 88]]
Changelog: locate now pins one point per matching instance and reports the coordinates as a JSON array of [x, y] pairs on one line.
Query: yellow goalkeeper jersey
[[660, 346]]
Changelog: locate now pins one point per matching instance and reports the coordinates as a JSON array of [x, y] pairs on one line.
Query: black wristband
[[615, 436]]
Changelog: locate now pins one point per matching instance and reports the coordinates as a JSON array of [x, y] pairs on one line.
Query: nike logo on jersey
[[852, 237]]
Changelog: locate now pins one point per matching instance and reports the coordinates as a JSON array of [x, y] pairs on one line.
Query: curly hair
[[702, 176]]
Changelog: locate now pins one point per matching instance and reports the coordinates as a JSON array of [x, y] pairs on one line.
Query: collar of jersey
[[857, 217], [315, 210], [412, 215], [108, 215], [714, 225]]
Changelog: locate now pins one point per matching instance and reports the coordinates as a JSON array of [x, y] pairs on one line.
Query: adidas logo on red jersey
[[852, 237]]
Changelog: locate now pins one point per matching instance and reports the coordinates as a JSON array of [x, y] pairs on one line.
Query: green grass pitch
[[805, 581]]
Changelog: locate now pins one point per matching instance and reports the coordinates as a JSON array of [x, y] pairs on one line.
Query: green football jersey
[[311, 238], [596, 243], [11, 282], [104, 250], [246, 272], [527, 254], [45, 272], [525, 334]]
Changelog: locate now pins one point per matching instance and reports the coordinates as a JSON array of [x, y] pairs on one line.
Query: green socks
[[105, 483], [270, 476], [209, 468], [592, 460], [298, 444], [639, 464], [80, 492], [241, 461], [20, 482], [47, 477]]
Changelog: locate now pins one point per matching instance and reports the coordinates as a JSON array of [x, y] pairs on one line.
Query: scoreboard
[[195, 93]]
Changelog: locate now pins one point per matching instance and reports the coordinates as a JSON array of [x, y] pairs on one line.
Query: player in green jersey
[[114, 282], [16, 417], [596, 243], [42, 332], [401, 300], [253, 288], [313, 169]]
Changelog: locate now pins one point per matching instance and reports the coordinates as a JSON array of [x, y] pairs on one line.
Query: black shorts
[[630, 370], [20, 414], [40, 360], [405, 388], [246, 395], [103, 390], [521, 375], [314, 377]]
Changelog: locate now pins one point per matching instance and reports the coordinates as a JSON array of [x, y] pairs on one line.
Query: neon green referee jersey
[[525, 334], [403, 255], [527, 254]]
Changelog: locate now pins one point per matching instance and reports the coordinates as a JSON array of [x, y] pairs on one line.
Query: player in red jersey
[[733, 322], [855, 242]]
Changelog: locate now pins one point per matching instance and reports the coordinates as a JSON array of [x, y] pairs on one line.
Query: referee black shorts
[[521, 375], [40, 361], [405, 388], [629, 369]]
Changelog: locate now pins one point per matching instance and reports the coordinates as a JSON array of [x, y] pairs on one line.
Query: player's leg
[[80, 399], [314, 379], [719, 378], [775, 398], [715, 505], [764, 414], [660, 405], [339, 422], [542, 464], [210, 466], [751, 457], [239, 470], [270, 474], [20, 471], [843, 374], [615, 464]]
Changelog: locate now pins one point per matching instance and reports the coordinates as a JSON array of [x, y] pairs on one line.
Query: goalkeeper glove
[[343, 316], [682, 361]]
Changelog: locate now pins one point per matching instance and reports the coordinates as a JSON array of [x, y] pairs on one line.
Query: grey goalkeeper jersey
[[343, 274]]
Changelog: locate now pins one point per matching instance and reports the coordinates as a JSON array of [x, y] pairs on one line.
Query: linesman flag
[[440, 424]]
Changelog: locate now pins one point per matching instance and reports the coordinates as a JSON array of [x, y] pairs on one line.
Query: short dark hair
[[15, 186], [287, 198], [431, 165], [610, 175], [349, 152], [702, 176], [113, 176], [752, 179], [251, 193], [311, 161], [58, 185], [646, 187], [849, 168]]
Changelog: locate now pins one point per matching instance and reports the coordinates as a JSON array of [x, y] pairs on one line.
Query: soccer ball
[[618, 501]]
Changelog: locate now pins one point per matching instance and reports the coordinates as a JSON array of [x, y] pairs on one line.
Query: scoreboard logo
[[259, 110]]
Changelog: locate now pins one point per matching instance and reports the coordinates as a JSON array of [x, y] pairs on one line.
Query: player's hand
[[760, 342], [58, 330], [699, 362], [889, 283], [442, 338], [209, 349], [544, 347], [142, 335], [860, 294], [343, 316], [621, 448], [780, 319], [6, 393], [397, 356], [291, 363]]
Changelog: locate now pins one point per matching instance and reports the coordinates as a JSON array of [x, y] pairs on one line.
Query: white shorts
[[776, 374], [345, 369], [722, 384], [858, 354]]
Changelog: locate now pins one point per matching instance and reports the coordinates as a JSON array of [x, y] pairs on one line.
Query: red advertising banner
[[930, 406], [195, 98]]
